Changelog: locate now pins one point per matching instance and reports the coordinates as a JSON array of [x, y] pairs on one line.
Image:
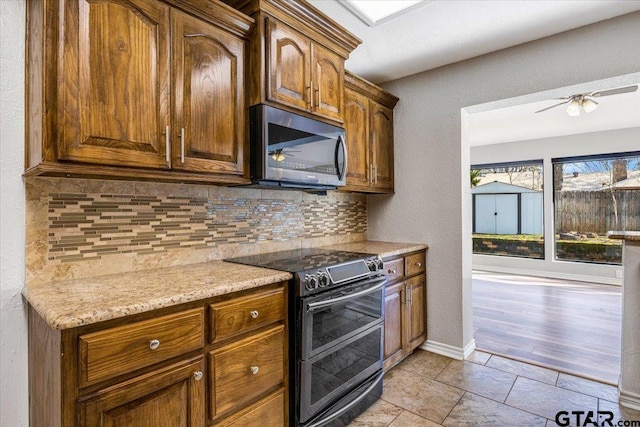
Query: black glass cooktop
[[298, 260]]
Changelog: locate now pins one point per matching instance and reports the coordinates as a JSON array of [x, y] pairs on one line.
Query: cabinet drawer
[[414, 264], [244, 314], [394, 269], [122, 349], [243, 370], [268, 412]]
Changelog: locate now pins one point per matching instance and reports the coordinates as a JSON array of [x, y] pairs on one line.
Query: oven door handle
[[350, 404], [378, 284]]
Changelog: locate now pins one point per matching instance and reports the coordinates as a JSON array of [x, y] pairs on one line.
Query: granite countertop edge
[[78, 302], [624, 235]]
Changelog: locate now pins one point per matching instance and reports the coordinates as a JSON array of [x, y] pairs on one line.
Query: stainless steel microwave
[[292, 151]]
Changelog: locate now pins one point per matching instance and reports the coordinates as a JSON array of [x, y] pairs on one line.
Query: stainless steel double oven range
[[336, 333]]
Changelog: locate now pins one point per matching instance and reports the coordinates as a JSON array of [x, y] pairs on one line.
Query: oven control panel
[[331, 276]]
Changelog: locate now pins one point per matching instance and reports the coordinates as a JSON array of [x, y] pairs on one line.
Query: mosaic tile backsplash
[[78, 228], [84, 226]]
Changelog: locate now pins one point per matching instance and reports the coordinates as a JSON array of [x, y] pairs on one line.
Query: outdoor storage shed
[[500, 208]]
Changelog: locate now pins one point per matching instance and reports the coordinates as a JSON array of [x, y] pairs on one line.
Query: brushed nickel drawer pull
[[254, 314], [390, 271], [154, 344], [197, 375], [419, 264], [254, 370]]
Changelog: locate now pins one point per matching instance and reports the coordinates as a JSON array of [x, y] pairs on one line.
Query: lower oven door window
[[331, 374], [329, 319]]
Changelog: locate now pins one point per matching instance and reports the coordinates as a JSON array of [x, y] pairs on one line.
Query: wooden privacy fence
[[592, 211]]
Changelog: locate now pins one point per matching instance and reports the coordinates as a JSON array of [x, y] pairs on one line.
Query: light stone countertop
[[72, 303], [624, 235], [384, 249]]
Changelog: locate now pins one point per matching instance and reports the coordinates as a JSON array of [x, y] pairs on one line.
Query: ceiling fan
[[585, 102]]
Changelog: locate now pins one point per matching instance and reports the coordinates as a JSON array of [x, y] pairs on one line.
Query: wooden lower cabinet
[[173, 396], [158, 369], [405, 326]]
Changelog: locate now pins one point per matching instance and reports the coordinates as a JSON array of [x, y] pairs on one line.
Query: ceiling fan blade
[[615, 91], [553, 106]]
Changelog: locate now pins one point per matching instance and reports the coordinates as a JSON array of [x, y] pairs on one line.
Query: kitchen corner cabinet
[[297, 58], [369, 132], [159, 368], [405, 326], [137, 88]]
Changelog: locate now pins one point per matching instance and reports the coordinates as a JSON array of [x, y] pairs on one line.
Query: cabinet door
[[381, 132], [288, 66], [209, 109], [114, 85], [328, 82], [356, 124], [393, 324], [173, 396], [416, 306]]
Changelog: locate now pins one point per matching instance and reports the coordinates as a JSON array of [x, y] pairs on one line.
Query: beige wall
[[431, 164]]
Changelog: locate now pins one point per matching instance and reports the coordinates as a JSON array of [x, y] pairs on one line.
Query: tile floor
[[429, 390]]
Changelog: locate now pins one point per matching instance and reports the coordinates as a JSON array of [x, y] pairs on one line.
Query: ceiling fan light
[[589, 105], [574, 108]]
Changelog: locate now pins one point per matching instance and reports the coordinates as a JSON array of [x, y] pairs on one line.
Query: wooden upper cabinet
[[114, 85], [381, 134], [356, 108], [289, 71], [209, 109], [369, 128], [137, 89], [297, 58], [327, 82]]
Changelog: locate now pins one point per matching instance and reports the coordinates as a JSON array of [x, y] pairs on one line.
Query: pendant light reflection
[[277, 155]]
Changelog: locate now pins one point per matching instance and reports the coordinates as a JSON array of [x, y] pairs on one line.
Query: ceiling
[[439, 32], [521, 122]]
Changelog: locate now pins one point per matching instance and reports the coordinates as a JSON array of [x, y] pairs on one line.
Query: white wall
[[614, 141], [13, 324], [432, 202]]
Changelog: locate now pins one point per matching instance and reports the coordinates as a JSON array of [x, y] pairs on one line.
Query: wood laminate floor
[[571, 327]]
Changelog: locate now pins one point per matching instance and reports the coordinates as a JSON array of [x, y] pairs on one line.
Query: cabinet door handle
[[309, 101], [371, 173], [254, 314], [197, 375], [154, 344], [167, 145], [375, 174], [318, 95], [182, 145], [255, 370], [390, 271]]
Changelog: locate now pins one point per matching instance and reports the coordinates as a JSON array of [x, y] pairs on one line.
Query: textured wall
[[13, 324], [430, 204]]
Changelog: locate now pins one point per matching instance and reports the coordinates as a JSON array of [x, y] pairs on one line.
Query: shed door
[[497, 213], [506, 213]]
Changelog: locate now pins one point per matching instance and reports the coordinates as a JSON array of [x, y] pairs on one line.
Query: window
[[508, 209], [593, 195]]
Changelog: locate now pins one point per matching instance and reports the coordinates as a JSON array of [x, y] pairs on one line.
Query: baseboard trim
[[549, 274], [453, 352], [629, 400]]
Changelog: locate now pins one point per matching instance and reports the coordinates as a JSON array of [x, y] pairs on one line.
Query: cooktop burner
[[318, 270], [298, 260]]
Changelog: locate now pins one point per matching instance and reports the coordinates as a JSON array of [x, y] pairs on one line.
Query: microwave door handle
[[378, 284], [341, 143]]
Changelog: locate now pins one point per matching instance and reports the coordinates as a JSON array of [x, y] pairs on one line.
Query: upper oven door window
[[329, 319]]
